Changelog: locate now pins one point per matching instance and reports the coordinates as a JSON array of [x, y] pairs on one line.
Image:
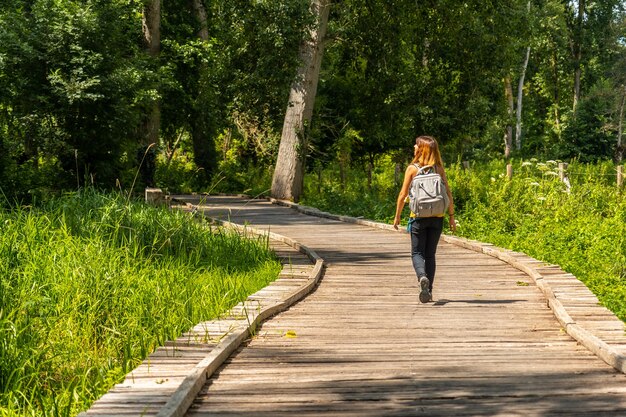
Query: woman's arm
[[442, 172], [404, 192]]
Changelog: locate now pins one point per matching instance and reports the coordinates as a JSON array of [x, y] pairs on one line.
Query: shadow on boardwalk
[[488, 345], [411, 386]]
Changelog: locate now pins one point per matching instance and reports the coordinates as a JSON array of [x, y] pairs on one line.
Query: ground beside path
[[365, 346]]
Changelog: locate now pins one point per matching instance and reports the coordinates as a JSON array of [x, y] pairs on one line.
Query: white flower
[[541, 198], [493, 179], [527, 164], [534, 184]]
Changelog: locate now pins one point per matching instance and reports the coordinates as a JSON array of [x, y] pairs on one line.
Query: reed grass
[[90, 284]]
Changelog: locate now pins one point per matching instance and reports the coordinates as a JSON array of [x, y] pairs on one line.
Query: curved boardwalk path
[[365, 346]]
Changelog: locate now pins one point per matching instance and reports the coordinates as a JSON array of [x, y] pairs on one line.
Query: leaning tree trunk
[[289, 171], [508, 134]]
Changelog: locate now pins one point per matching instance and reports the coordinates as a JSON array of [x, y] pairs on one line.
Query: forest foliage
[[76, 84]]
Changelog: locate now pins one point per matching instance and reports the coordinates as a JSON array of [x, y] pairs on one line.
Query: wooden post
[[562, 168], [155, 196], [466, 165], [620, 176], [509, 171]]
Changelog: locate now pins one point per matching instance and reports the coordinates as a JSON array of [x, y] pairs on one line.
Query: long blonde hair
[[427, 152]]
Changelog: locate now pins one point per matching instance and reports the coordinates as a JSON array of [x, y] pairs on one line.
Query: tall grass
[[90, 284], [582, 229]]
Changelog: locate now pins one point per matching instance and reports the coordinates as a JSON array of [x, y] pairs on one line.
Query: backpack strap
[[421, 170]]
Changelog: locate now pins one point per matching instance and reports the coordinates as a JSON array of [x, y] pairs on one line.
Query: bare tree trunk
[[425, 53], [520, 95], [289, 171], [577, 75], [508, 135], [204, 151], [555, 70], [150, 126], [518, 110], [201, 16], [151, 25], [576, 47]]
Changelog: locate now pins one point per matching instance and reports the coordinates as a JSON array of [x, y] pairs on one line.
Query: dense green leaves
[[76, 85]]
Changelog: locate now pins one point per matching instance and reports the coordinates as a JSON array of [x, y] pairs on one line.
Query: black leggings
[[425, 233]]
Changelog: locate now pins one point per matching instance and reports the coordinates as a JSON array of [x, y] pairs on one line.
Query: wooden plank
[[364, 320]]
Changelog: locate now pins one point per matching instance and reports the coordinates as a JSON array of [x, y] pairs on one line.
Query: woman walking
[[425, 231]]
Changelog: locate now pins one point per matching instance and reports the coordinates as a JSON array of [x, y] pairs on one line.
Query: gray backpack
[[427, 194]]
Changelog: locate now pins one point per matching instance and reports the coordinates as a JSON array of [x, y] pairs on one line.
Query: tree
[[520, 96], [576, 43], [201, 133], [146, 155], [288, 174], [508, 133]]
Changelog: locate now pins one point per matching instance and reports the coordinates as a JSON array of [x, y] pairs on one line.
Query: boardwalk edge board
[[522, 262], [255, 313], [183, 397]]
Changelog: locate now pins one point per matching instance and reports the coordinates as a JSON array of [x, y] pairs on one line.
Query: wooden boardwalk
[[365, 346], [361, 344]]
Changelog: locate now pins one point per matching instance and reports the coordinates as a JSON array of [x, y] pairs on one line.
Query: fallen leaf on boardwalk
[[291, 333]]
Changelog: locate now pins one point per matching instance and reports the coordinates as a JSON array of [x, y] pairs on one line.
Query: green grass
[[90, 284], [583, 230]]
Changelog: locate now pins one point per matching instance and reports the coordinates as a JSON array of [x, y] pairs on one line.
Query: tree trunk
[[555, 71], [150, 126], [619, 154], [151, 25], [577, 40], [289, 171], [204, 151], [200, 13], [508, 135], [577, 74], [518, 110]]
